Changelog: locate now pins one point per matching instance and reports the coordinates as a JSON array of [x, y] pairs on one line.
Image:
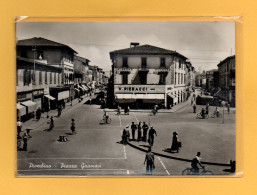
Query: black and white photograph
[[125, 98]]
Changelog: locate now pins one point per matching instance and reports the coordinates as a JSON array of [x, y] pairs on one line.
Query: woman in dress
[[175, 142]]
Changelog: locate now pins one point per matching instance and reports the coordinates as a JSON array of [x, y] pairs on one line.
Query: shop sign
[[139, 88]]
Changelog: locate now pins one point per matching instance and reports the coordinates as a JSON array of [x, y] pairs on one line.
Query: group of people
[[25, 137], [142, 130]]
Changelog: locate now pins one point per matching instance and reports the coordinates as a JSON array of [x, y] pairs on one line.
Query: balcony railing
[[143, 68]]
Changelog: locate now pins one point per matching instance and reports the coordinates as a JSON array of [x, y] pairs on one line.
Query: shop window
[[125, 62]]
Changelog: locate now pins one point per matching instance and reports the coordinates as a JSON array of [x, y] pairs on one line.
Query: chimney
[[133, 44]]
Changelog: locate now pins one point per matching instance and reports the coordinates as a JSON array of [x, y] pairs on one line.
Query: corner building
[[147, 75]]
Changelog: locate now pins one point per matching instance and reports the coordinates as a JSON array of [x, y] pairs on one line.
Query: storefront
[[61, 95]]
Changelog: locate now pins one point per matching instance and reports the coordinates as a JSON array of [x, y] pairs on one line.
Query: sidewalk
[[34, 124]]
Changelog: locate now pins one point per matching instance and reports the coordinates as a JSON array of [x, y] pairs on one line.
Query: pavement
[[96, 148]]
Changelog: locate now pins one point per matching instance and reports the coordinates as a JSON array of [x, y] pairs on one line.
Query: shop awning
[[85, 87], [172, 96], [21, 109], [49, 97], [140, 96], [81, 88], [31, 106]]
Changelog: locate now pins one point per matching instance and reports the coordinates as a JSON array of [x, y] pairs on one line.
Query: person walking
[[194, 107], [151, 136], [125, 135], [207, 109], [228, 107], [90, 100], [149, 160], [38, 114], [25, 138], [133, 130], [73, 132], [51, 122], [175, 142], [145, 129], [19, 127], [139, 132]]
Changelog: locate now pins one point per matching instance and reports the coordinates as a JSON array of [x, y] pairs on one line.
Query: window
[[24, 54], [125, 79], [162, 62], [58, 75], [34, 77], [45, 77], [178, 78], [40, 78], [125, 62], [40, 55], [179, 64], [26, 77], [143, 63], [50, 78], [182, 78], [54, 78], [175, 78], [162, 79], [143, 78]]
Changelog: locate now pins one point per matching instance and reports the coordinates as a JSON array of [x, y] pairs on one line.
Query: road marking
[[125, 153], [120, 121], [73, 158], [135, 117], [164, 166], [128, 172]]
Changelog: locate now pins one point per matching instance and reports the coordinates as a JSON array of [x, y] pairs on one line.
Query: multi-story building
[[212, 79], [227, 80], [146, 75], [46, 66]]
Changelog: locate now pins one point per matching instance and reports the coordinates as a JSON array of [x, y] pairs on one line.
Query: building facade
[[212, 80], [227, 81], [146, 75], [45, 71]]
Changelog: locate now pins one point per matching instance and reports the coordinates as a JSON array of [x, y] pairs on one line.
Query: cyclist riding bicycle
[[196, 161], [216, 111], [105, 116]]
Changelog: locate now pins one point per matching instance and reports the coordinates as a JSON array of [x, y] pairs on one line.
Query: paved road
[[95, 149]]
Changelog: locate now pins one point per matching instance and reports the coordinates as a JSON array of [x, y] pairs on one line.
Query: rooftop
[[226, 59], [39, 41], [146, 49]]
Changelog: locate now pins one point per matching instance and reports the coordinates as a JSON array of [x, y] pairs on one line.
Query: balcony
[[161, 70], [123, 70], [143, 69]]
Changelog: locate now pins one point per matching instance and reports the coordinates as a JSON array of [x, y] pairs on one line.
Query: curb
[[177, 158]]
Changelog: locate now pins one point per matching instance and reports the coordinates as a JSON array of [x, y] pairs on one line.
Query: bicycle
[[191, 171], [103, 121], [199, 115], [216, 115]]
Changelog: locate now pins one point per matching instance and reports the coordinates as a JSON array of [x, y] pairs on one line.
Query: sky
[[204, 43]]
